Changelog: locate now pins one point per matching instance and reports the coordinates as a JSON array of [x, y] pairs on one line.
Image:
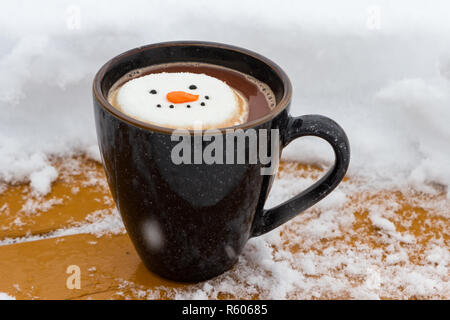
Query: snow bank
[[381, 71]]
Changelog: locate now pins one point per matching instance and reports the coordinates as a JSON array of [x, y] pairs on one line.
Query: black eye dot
[[192, 87], [206, 97], [171, 106], [202, 104], [158, 105], [188, 106], [153, 91]]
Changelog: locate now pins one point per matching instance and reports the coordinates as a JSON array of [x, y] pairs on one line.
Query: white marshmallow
[[224, 106]]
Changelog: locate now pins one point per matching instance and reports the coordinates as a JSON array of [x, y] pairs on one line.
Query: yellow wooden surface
[[110, 267]]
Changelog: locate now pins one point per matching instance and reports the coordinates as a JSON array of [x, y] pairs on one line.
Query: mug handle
[[308, 125]]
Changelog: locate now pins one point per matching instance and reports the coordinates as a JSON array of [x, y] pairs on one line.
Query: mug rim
[[280, 106]]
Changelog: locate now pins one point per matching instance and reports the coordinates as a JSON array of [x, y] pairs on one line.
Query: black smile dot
[[202, 104], [171, 106], [158, 105], [206, 97], [192, 87], [153, 91]]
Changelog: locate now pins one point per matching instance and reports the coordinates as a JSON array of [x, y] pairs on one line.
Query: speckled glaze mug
[[190, 222]]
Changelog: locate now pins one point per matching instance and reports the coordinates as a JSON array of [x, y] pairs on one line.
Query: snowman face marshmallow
[[182, 100]]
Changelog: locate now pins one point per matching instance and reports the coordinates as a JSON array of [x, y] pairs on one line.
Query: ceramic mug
[[190, 222]]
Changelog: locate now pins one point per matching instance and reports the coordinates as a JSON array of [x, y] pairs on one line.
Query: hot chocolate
[[189, 95]]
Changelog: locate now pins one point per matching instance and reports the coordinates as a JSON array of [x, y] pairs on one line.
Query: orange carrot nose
[[181, 97]]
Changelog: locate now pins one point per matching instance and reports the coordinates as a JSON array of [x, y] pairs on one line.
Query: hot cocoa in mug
[[190, 135]]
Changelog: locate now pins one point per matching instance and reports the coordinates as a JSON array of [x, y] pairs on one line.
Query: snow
[[5, 296], [359, 63], [98, 223], [383, 224], [316, 256], [40, 181], [380, 69], [37, 206]]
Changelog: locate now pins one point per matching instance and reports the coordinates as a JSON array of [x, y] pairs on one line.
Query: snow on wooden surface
[[360, 242]]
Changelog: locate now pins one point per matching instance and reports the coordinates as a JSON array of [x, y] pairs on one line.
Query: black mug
[[190, 222]]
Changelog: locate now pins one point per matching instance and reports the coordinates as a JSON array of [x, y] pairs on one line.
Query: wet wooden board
[[104, 264], [80, 190], [109, 265]]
